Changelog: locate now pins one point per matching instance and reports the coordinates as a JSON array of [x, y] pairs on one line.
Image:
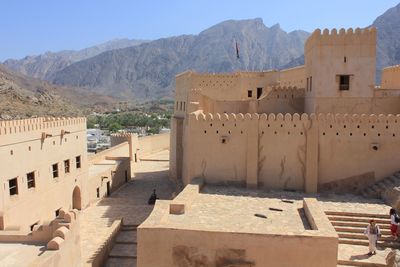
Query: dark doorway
[[76, 198], [259, 92], [108, 189]]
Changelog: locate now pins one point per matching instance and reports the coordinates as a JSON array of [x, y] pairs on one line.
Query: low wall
[[187, 244], [62, 236], [101, 255], [153, 143]]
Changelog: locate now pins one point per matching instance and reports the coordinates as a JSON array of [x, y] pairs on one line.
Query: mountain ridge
[[147, 71]]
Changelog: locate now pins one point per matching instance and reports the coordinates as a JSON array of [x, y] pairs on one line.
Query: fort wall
[[293, 77], [282, 99], [34, 146], [275, 150], [390, 78]]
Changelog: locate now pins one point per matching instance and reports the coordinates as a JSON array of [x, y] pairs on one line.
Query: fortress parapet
[[9, 127], [391, 77], [341, 37]]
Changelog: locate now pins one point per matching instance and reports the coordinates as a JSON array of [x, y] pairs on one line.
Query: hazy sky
[[30, 27]]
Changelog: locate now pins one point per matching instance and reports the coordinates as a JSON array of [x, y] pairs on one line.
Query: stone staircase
[[124, 251], [376, 190], [350, 227]]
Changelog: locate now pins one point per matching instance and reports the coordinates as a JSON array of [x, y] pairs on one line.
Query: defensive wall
[[390, 78], [41, 148], [293, 77], [300, 152]]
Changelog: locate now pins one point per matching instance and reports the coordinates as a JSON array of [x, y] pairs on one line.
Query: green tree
[[114, 127]]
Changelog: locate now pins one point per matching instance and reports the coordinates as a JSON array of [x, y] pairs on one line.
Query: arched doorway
[[76, 198]]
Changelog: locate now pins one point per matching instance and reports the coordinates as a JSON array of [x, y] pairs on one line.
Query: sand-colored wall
[[293, 77], [153, 143], [190, 243], [68, 252], [23, 150], [274, 151], [391, 77], [214, 248], [282, 100]]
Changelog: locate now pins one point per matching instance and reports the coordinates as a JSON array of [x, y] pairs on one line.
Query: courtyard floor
[[130, 202]]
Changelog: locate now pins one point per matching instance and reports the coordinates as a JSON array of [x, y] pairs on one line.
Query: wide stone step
[[127, 237], [358, 224], [354, 214], [362, 236], [123, 251], [357, 219], [358, 230], [358, 242]]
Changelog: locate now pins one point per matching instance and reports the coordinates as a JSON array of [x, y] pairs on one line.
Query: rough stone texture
[[392, 197]]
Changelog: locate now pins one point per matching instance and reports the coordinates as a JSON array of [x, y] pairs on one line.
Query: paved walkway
[[129, 202]]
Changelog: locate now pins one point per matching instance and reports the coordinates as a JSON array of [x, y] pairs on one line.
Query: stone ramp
[[376, 190], [353, 244], [124, 251]]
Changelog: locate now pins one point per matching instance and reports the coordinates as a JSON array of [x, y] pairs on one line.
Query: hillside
[[22, 97]]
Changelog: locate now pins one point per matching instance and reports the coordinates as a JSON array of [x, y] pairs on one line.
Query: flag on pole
[[237, 50]]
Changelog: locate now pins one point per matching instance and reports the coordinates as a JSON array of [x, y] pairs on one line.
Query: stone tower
[[340, 70]]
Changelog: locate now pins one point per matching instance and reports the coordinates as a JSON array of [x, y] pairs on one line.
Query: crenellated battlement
[[331, 118], [393, 68], [285, 92], [336, 37], [119, 138], [19, 126]]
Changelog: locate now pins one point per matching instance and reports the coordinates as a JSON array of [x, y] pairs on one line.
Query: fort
[[244, 142], [269, 168]]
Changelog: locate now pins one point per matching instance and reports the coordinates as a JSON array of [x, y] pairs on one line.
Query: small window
[[33, 225], [345, 59], [57, 212], [259, 92], [98, 192], [344, 82], [55, 170], [66, 166], [78, 162], [13, 186], [30, 177], [249, 93], [184, 106], [310, 83]]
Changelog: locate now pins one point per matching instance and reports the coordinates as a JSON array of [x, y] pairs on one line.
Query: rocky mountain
[[388, 49], [147, 71], [388, 41], [24, 97], [43, 66]]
